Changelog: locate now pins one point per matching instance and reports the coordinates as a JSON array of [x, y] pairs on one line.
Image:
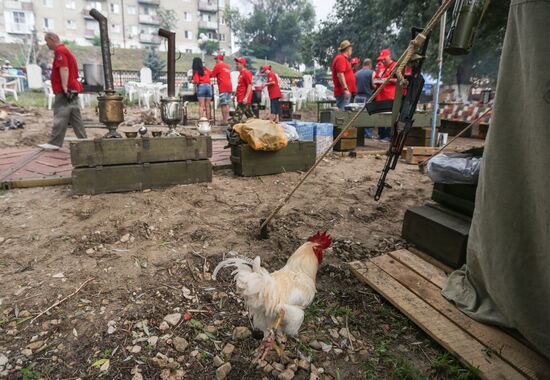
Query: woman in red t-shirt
[[272, 84], [201, 79]]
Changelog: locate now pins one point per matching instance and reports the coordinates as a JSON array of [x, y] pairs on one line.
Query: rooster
[[277, 300]]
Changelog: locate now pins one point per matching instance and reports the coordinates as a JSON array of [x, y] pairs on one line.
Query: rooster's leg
[[269, 341]]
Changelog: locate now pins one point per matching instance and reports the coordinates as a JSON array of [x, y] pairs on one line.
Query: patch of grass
[[445, 365], [29, 98], [313, 311], [29, 373], [403, 369]]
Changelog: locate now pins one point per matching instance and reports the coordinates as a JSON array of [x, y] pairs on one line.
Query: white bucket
[[442, 139]]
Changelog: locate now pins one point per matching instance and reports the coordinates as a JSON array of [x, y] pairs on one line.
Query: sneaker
[[49, 147]]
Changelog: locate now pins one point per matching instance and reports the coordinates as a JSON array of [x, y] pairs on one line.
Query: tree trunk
[[463, 77]]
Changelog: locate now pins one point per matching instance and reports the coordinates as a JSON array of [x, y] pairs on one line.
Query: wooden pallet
[[414, 287], [414, 155]]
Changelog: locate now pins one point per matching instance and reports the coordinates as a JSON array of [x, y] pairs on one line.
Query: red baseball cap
[[384, 53], [241, 60], [265, 68], [354, 61], [220, 57]]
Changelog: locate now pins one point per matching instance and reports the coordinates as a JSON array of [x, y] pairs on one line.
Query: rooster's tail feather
[[241, 263]]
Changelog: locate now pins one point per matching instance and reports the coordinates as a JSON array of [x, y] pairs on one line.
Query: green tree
[[96, 41], [210, 46], [373, 25], [275, 29], [168, 18], [153, 61]]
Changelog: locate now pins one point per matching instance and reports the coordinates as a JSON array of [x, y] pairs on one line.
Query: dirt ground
[[143, 256]]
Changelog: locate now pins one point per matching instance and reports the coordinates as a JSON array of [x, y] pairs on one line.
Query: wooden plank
[[105, 152], [137, 177], [427, 258], [512, 351], [428, 271], [455, 340]]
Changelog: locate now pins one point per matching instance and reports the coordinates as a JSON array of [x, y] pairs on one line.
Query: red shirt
[[273, 89], [222, 73], [388, 92], [341, 64], [202, 79], [245, 79], [62, 57]]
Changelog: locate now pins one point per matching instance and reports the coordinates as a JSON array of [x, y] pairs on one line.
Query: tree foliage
[[210, 46], [168, 18], [275, 29], [373, 25], [153, 61]]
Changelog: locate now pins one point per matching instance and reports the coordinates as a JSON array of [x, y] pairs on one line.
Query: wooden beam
[[455, 340], [430, 272]]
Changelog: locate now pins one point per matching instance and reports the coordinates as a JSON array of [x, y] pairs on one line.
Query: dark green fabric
[[506, 280]]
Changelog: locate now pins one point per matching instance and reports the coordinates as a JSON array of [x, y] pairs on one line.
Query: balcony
[[149, 39], [212, 25], [149, 19], [150, 2], [90, 34], [207, 6], [86, 13]]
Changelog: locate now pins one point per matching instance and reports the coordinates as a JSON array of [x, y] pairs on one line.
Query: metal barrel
[[171, 66], [105, 49]]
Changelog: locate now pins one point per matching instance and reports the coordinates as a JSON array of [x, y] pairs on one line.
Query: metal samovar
[[110, 106], [171, 108]]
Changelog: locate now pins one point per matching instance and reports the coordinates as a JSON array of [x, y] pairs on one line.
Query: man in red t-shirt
[[342, 75], [222, 73], [66, 87], [388, 92], [244, 88], [274, 90]]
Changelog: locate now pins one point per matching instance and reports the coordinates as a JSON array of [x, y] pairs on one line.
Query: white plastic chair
[[130, 88], [8, 87], [48, 93], [145, 92]]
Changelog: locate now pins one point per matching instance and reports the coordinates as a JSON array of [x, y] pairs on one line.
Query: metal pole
[[440, 68]]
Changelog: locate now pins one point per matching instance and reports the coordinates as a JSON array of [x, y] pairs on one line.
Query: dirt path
[[150, 254]]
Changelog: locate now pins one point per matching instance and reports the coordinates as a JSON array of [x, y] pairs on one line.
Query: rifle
[[403, 111]]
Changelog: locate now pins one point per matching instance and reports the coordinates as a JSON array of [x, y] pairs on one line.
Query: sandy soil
[[150, 254]]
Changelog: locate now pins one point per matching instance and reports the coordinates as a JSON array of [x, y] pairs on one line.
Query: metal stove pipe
[[105, 49], [171, 36]]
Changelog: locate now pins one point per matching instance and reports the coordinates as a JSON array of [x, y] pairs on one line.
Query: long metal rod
[[105, 49], [402, 60], [477, 120], [439, 70], [171, 64]]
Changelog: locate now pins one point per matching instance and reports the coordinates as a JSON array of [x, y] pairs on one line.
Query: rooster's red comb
[[321, 238]]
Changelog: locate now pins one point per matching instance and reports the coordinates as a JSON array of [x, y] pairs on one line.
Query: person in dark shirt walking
[[365, 87]]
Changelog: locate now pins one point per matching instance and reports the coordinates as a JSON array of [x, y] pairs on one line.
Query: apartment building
[[132, 23]]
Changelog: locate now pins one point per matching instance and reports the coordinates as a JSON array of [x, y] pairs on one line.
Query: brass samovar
[[171, 107]]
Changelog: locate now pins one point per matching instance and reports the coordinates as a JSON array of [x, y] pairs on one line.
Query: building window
[[222, 20], [206, 17], [115, 8], [188, 50], [221, 3], [70, 4], [133, 30], [19, 22], [188, 34], [222, 37], [48, 24], [47, 3], [95, 4], [187, 16], [132, 10], [115, 28], [71, 24]]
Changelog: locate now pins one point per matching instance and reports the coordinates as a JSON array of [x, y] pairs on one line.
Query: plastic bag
[[262, 134], [290, 132], [454, 168]]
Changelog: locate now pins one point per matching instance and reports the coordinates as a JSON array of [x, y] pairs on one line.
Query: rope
[[486, 112], [401, 62]]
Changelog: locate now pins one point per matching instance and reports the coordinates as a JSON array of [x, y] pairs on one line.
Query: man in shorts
[[272, 84], [222, 73]]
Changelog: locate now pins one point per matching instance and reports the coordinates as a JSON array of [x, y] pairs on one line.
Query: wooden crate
[[341, 118], [413, 285], [458, 197], [297, 156], [441, 233], [103, 152], [137, 177], [345, 145]]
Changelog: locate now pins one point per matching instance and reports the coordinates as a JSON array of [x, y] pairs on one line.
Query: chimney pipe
[[171, 36], [105, 49]]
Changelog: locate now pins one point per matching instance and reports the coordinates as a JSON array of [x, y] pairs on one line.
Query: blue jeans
[[362, 99], [342, 101]]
